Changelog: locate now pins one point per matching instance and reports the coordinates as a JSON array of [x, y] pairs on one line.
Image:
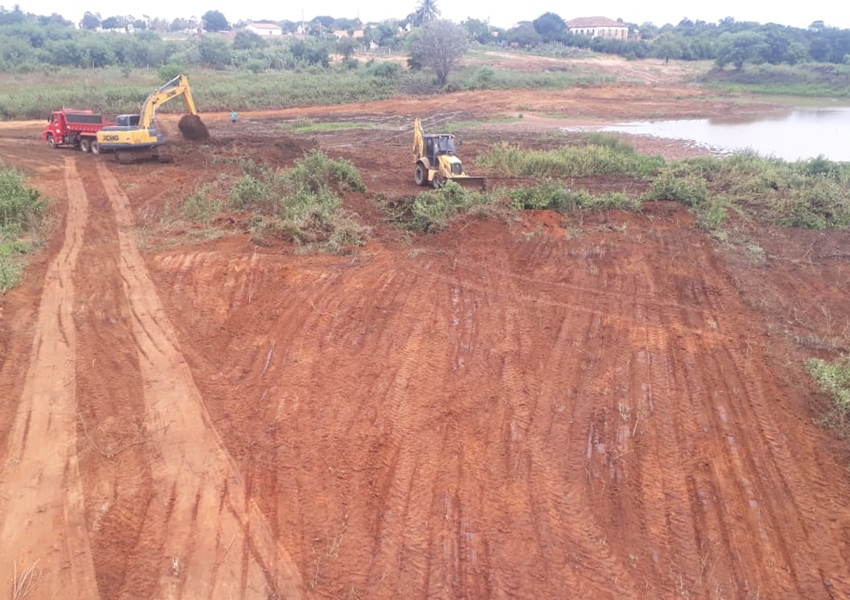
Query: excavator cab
[[127, 120]]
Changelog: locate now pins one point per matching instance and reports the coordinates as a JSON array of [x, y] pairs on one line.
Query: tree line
[[727, 42], [30, 42]]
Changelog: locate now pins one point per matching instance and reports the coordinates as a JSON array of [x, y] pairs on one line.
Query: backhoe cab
[[136, 136], [436, 162]]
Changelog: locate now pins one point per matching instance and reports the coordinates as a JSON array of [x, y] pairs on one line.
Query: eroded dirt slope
[[606, 408]]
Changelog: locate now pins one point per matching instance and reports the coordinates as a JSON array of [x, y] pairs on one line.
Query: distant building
[[598, 27], [265, 29], [342, 33]]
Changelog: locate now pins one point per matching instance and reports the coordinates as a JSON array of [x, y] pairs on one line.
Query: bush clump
[[302, 205], [21, 215]]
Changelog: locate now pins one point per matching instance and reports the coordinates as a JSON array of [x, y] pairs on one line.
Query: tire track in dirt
[[213, 540], [723, 455], [41, 499], [496, 420]]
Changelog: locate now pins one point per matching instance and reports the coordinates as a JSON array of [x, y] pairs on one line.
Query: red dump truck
[[73, 127]]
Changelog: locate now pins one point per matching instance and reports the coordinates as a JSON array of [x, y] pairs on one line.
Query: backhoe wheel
[[420, 175], [85, 145], [51, 141], [438, 181]]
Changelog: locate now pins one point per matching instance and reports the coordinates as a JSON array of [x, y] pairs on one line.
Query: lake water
[[802, 132]]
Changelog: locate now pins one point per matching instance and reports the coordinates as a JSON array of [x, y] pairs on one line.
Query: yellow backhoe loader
[[436, 162], [136, 136]]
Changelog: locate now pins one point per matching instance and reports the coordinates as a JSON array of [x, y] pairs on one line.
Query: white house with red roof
[[265, 29], [598, 27]]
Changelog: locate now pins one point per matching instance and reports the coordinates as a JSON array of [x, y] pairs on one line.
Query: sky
[[500, 14]]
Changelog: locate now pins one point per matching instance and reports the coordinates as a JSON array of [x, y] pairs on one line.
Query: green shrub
[[18, 203], [833, 378], [819, 204], [569, 161], [316, 169], [433, 210], [169, 71], [21, 214], [712, 214], [545, 195], [301, 205], [201, 206], [553, 195], [607, 140], [690, 191]]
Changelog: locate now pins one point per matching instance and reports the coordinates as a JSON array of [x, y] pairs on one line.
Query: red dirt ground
[[612, 407]]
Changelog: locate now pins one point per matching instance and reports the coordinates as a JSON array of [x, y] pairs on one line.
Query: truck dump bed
[[84, 117]]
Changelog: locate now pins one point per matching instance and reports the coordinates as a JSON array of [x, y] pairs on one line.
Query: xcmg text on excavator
[[436, 162], [136, 136]]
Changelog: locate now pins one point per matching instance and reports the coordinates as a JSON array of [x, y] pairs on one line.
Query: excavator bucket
[[193, 128]]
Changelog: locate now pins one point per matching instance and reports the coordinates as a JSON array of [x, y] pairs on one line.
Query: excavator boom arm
[[179, 86]]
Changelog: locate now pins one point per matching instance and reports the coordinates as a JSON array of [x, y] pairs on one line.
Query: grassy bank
[[833, 379], [113, 91], [21, 217], [301, 205], [813, 194], [812, 80]]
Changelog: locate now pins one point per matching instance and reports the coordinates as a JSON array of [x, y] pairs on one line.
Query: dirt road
[[611, 407], [43, 528]]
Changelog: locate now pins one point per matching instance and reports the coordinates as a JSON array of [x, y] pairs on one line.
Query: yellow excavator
[[136, 136], [436, 161]]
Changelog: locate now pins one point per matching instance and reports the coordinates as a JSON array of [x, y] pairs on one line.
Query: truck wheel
[[95, 149], [51, 141], [85, 145], [420, 175]]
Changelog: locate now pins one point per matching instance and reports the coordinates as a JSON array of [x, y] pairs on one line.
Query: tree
[[312, 52], [346, 46], [550, 26], [213, 20], [525, 35], [426, 12], [383, 34], [12, 17], [214, 52], [478, 31], [667, 46], [54, 19], [439, 45], [737, 48], [111, 23], [90, 21], [247, 40]]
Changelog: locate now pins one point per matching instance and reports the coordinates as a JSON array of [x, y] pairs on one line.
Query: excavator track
[[131, 157]]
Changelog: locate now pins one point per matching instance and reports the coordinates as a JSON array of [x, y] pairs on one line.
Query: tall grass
[[833, 378], [21, 211], [552, 195], [111, 91], [808, 79], [34, 95], [813, 193], [302, 205], [569, 161]]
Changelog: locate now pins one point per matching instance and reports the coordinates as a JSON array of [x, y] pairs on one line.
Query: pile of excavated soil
[[193, 128]]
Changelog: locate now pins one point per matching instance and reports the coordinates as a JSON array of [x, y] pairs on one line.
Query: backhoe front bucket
[[472, 182]]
